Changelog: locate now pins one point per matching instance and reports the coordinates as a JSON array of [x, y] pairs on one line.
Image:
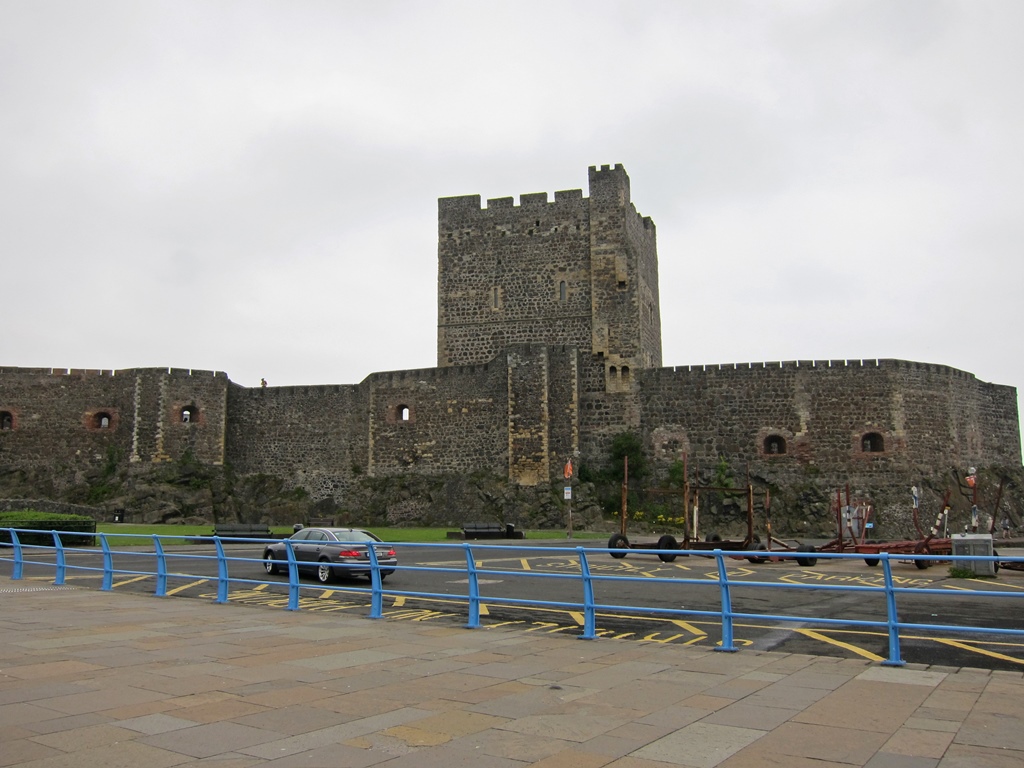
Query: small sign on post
[[568, 493]]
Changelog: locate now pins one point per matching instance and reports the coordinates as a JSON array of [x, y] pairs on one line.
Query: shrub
[[47, 521]]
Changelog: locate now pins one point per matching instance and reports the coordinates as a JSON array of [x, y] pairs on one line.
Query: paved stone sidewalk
[[94, 679]]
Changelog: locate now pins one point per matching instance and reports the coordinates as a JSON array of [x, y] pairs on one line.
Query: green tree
[[629, 445]]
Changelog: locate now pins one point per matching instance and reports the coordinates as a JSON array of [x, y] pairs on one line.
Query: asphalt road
[[431, 585]]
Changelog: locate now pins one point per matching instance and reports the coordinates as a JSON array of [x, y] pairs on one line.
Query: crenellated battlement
[[890, 364], [86, 372]]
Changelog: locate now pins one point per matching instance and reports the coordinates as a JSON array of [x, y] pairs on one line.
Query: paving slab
[[154, 682]]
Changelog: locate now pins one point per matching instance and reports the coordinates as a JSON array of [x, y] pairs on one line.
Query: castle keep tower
[[577, 272]]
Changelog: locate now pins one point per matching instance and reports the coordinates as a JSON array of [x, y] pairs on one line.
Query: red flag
[[568, 469]]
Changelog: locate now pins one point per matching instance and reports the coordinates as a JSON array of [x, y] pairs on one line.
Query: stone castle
[[548, 347]]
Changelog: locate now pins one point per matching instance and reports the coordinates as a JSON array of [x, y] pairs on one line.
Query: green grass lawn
[[137, 535]]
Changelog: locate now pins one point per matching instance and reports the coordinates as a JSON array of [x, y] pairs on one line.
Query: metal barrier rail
[[474, 599]]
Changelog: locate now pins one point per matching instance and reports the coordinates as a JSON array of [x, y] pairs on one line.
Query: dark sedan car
[[331, 552]]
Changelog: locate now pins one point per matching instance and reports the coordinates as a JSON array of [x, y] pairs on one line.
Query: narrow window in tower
[[872, 442], [775, 445], [494, 297], [563, 292], [6, 420], [625, 372], [405, 413]]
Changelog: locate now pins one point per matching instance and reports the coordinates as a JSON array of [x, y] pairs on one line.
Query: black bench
[[490, 531], [242, 530]]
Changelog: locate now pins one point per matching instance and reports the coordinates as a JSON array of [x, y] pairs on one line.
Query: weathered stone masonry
[[548, 345]]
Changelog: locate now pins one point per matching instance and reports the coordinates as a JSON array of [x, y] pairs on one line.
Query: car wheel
[[667, 542], [872, 561], [324, 572], [269, 563], [619, 542]]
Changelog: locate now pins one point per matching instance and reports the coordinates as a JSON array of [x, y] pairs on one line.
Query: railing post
[[108, 565], [589, 612], [723, 584], [293, 577], [19, 557], [376, 588], [222, 571], [161, 567], [892, 618], [62, 564], [474, 588]]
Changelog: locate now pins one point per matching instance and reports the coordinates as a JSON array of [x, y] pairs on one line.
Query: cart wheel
[[619, 542], [922, 549], [712, 537], [758, 558], [872, 561], [995, 563], [667, 542], [807, 562]]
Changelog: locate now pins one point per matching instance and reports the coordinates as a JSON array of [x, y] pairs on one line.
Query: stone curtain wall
[[457, 420], [160, 429], [56, 418], [71, 420], [931, 418], [312, 437]]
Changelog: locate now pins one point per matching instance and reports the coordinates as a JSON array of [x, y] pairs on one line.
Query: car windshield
[[354, 536]]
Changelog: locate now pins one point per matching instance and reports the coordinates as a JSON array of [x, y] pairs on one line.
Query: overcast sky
[[252, 186]]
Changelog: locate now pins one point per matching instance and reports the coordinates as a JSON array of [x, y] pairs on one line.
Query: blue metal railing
[[584, 601]]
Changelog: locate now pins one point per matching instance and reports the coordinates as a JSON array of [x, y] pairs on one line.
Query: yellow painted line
[[183, 587], [1000, 583], [975, 649], [687, 626], [398, 602], [525, 562], [132, 581], [577, 617], [839, 644]]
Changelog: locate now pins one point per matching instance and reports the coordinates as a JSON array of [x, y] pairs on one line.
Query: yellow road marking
[[183, 587], [525, 562], [975, 649], [688, 626], [1000, 583], [132, 581], [839, 643]]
